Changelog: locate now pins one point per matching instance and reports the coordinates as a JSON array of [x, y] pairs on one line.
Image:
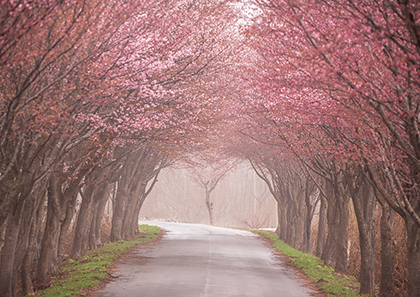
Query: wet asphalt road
[[195, 260]]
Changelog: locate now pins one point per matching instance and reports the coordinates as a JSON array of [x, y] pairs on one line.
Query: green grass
[[332, 283], [89, 271]]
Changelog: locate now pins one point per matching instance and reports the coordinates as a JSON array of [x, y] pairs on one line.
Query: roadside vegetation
[[87, 273], [326, 279]]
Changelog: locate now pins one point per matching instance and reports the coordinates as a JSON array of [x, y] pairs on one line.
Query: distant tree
[[207, 172]]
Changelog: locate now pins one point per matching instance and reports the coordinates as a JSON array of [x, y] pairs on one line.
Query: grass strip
[[89, 271], [331, 282]]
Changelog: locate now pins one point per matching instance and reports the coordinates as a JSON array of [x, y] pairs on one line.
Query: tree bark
[[118, 213], [335, 251], [343, 231], [49, 263], [387, 285], [322, 227], [27, 286], [8, 253], [282, 221], [83, 224], [413, 247], [364, 205], [209, 206], [309, 211], [95, 231], [24, 236], [70, 211], [126, 185]]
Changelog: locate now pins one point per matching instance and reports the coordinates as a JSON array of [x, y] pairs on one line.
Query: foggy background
[[241, 199]]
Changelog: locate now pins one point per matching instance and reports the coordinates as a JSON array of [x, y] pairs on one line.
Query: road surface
[[195, 260]]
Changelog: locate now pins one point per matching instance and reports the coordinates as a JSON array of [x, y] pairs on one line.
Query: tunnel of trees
[[322, 98]]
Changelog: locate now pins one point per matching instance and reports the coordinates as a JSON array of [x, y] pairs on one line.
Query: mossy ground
[[84, 275], [325, 278]]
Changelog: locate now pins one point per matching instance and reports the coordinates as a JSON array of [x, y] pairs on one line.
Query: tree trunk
[[98, 207], [2, 234], [300, 219], [118, 215], [135, 221], [279, 219], [209, 206], [83, 224], [132, 217], [330, 249], [70, 211], [49, 263], [127, 230], [307, 228], [95, 231], [335, 250], [25, 273], [413, 247], [322, 227], [8, 253], [283, 221], [290, 225], [387, 285], [364, 206], [342, 239], [23, 239]]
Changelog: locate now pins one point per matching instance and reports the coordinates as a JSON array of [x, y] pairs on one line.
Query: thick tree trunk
[[387, 285], [290, 225], [283, 222], [329, 253], [131, 219], [342, 239], [413, 247], [118, 216], [83, 224], [93, 241], [135, 219], [25, 273], [335, 250], [95, 231], [364, 206], [307, 236], [49, 263], [98, 205], [307, 228], [126, 185], [65, 225], [322, 227], [8, 253], [300, 219], [367, 265], [23, 239], [127, 230]]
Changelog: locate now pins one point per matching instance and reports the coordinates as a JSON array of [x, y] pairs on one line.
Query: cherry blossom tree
[[347, 67], [207, 172], [81, 79]]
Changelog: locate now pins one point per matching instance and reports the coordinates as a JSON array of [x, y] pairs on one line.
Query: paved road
[[195, 260]]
